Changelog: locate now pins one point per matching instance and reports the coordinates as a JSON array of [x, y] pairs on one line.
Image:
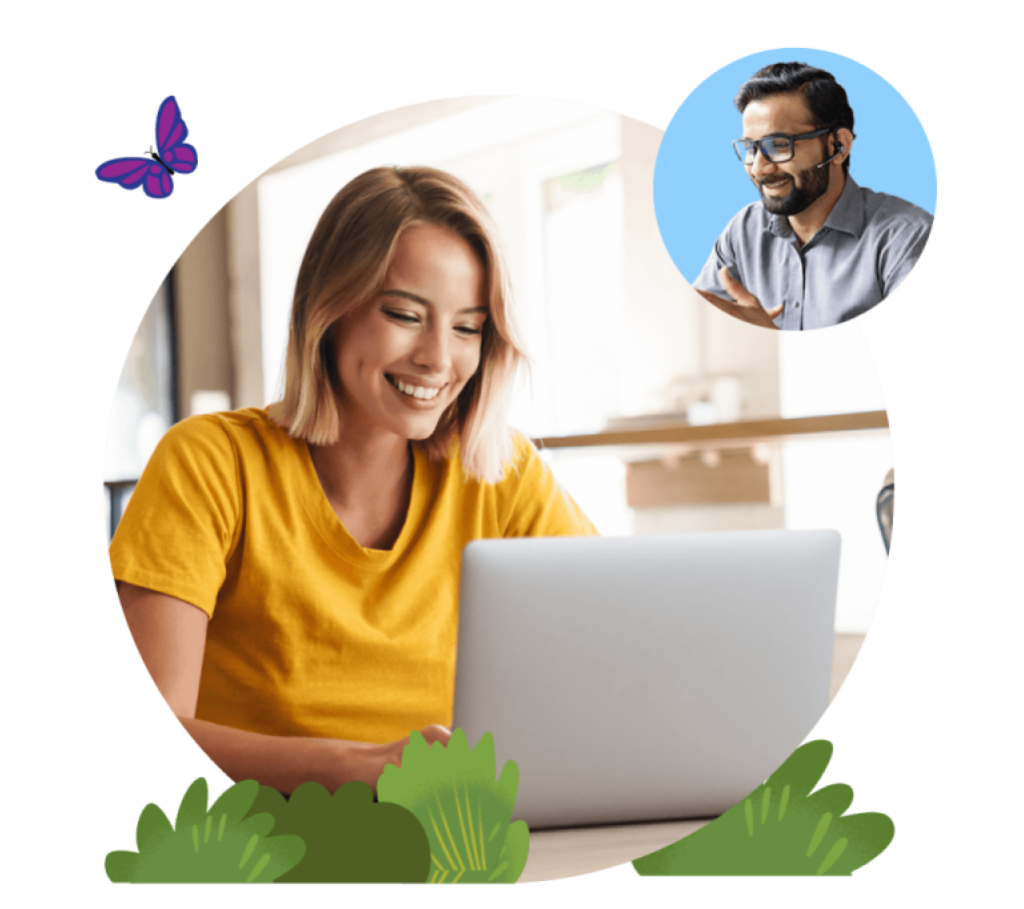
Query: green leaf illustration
[[781, 829], [465, 813], [219, 846], [348, 838]]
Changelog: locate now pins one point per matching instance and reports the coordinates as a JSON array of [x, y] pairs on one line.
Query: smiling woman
[[290, 575], [346, 265], [401, 361]]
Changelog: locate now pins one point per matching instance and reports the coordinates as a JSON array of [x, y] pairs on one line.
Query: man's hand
[[746, 307]]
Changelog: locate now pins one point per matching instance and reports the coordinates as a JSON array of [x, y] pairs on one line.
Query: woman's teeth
[[416, 391]]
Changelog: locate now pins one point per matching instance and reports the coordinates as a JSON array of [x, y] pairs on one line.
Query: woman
[[291, 575]]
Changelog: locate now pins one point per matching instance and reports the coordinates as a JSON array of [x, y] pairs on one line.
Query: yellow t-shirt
[[310, 633]]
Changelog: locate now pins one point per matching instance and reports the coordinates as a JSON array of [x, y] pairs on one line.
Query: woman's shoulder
[[524, 453], [228, 431], [223, 448]]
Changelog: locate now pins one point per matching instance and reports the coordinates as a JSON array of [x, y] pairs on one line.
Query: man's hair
[[825, 98], [344, 267]]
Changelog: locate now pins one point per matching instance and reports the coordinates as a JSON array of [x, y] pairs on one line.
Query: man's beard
[[813, 185]]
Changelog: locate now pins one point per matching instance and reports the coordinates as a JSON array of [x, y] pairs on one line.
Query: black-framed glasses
[[776, 149]]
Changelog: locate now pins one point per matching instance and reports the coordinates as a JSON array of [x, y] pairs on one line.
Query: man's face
[[793, 186]]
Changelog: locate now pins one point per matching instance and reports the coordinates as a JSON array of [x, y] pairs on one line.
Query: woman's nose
[[433, 352]]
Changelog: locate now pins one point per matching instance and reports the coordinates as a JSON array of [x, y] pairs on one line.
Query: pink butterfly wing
[[158, 183], [123, 171], [131, 173], [171, 133]]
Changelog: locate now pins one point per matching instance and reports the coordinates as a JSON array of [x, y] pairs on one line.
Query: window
[[144, 405], [577, 384]]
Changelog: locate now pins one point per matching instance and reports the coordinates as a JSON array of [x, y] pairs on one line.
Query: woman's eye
[[404, 317]]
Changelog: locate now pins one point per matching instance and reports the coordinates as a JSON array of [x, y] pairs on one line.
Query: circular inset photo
[[795, 189]]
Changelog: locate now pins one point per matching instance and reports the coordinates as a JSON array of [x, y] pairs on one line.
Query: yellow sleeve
[[537, 505], [185, 516]]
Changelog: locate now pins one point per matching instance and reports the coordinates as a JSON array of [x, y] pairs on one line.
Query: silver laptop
[[649, 677]]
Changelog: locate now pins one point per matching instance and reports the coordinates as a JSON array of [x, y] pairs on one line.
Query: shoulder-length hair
[[344, 268]]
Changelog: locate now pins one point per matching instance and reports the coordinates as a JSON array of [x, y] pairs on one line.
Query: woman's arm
[[285, 762], [171, 637]]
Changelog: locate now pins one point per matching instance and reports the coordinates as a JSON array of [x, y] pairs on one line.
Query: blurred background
[[657, 412]]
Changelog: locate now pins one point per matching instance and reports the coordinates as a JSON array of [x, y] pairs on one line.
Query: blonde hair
[[344, 267]]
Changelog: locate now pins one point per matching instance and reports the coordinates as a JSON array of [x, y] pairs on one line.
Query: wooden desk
[[565, 853]]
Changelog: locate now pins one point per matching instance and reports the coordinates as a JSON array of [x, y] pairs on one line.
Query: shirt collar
[[848, 214]]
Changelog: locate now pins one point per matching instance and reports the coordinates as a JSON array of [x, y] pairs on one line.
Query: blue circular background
[[699, 184]]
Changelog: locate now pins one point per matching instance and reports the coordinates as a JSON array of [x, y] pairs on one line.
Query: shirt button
[[797, 304]]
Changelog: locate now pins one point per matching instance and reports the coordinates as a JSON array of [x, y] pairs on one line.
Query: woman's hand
[[435, 733], [391, 753]]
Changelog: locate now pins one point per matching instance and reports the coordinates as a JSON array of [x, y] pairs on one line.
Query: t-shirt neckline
[[334, 532]]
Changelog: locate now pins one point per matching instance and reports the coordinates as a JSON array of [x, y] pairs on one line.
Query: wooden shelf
[[742, 432]]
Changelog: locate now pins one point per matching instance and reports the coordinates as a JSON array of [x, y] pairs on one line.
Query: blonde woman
[[290, 575]]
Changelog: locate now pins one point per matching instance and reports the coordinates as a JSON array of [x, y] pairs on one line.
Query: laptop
[[644, 678]]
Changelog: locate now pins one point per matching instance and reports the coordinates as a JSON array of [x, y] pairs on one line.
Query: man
[[817, 249]]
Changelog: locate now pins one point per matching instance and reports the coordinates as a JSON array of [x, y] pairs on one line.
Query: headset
[[840, 148]]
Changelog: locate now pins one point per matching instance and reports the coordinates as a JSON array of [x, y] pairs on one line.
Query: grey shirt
[[868, 244]]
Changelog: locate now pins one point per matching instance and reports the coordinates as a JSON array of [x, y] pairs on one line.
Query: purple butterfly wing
[[131, 173], [171, 133]]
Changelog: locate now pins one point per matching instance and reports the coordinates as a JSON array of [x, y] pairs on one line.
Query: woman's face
[[404, 357]]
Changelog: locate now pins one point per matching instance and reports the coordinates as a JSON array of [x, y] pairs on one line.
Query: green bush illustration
[[348, 838], [219, 846], [781, 829], [465, 813]]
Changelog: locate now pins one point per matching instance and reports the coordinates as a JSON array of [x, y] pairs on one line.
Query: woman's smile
[[419, 393]]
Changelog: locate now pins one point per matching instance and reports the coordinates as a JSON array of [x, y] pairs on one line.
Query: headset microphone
[[840, 148]]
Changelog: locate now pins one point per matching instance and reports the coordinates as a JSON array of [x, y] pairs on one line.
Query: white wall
[[833, 482]]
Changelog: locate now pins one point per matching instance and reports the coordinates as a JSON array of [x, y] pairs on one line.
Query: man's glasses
[[776, 149]]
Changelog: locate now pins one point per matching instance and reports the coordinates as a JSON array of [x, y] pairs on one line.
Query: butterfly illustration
[[154, 173]]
